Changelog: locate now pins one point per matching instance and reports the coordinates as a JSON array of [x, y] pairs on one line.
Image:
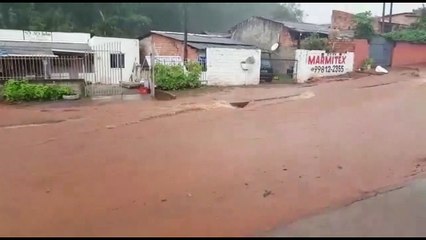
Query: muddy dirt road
[[100, 171]]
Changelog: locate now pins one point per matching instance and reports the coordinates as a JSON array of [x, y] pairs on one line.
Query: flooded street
[[117, 170]]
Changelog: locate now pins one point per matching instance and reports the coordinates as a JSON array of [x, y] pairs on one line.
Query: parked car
[[266, 71]]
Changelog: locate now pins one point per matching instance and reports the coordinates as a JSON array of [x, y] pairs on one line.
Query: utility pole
[[382, 26], [390, 15], [185, 34]]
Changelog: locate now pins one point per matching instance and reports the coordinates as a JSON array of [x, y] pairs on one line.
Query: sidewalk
[[400, 212]]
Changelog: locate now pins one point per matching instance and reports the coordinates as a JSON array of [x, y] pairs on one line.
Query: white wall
[[224, 67], [40, 36], [11, 35], [67, 37], [103, 47], [318, 63]]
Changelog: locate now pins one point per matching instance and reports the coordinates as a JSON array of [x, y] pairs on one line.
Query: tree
[[288, 12], [135, 19], [315, 42], [364, 25]]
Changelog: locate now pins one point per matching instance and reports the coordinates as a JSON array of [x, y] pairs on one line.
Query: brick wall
[[342, 46], [165, 46], [345, 21], [408, 54], [342, 20]]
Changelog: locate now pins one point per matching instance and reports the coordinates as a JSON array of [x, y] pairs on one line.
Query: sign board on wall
[[38, 36], [318, 63], [166, 60]]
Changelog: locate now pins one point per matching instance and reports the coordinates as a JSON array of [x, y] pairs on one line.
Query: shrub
[[408, 35], [364, 25], [175, 77], [22, 90], [314, 42], [367, 63]]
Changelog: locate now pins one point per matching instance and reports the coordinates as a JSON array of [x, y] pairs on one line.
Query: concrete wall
[[359, 47], [224, 67], [263, 34], [408, 54], [104, 72], [40, 36], [318, 63], [164, 46], [402, 19], [361, 52]]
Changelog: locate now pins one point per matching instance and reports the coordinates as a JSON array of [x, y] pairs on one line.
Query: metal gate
[[104, 73], [381, 51]]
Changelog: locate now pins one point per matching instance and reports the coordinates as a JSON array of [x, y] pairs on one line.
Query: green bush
[[314, 42], [364, 25], [408, 35], [22, 90], [175, 78]]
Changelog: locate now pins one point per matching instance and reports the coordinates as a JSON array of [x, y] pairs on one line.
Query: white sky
[[321, 12]]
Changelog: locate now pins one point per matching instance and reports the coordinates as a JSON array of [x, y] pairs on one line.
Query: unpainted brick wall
[[169, 47]]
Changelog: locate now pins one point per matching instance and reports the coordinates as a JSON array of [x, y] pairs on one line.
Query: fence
[[101, 68], [284, 70], [36, 68]]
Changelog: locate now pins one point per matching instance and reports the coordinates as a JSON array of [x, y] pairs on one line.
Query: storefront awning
[[40, 49]]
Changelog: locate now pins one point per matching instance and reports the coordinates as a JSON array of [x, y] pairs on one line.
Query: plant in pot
[[68, 93]]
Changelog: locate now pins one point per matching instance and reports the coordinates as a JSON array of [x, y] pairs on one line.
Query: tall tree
[[135, 19]]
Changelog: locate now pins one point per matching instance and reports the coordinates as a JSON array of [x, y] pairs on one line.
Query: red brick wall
[[345, 21], [169, 47], [286, 39], [342, 46], [408, 54], [342, 20]]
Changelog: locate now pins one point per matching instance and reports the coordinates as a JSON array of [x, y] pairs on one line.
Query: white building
[[61, 55], [115, 58], [226, 62]]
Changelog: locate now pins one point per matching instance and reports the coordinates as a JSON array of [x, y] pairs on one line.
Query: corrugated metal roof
[[300, 27], [24, 48], [210, 45], [227, 35], [201, 38]]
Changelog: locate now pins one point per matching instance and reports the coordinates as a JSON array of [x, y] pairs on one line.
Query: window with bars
[[117, 60], [202, 61]]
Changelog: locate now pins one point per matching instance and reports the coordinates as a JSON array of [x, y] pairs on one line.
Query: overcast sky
[[321, 12]]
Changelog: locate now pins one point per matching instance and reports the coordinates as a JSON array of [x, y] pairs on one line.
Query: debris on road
[[163, 200], [267, 193], [380, 69]]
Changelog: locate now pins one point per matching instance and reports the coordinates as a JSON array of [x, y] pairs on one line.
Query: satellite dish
[[275, 46], [250, 60]]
